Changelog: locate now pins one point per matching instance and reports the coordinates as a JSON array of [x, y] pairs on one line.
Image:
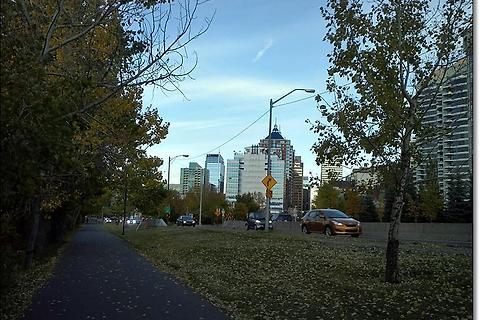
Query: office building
[[306, 201], [232, 181], [297, 184], [216, 169], [330, 170], [283, 149], [191, 178], [246, 171], [363, 177]]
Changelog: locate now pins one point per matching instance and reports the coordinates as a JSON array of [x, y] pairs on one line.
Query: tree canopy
[[72, 120], [387, 63]]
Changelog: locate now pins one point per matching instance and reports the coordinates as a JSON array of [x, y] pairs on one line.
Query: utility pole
[[269, 165]]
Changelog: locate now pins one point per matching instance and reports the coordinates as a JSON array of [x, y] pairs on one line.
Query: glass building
[[216, 168]]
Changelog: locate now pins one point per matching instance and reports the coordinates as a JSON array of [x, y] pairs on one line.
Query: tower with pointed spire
[[284, 150]]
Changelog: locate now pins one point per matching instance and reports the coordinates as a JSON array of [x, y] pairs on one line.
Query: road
[[100, 277]]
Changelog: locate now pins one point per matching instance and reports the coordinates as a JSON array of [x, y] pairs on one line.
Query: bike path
[[100, 277]]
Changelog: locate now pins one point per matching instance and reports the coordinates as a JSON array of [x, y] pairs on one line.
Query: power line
[[294, 101], [235, 136], [251, 124]]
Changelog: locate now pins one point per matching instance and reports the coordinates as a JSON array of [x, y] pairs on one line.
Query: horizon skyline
[[240, 68]]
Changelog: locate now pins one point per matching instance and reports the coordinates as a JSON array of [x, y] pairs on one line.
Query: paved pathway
[[99, 277]]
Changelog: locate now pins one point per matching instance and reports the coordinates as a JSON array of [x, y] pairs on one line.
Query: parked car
[[256, 221], [282, 217], [330, 222], [186, 220]]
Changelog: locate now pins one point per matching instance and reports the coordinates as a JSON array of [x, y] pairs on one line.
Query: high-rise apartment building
[[306, 194], [297, 184], [232, 184], [330, 170], [216, 169], [451, 113], [191, 178]]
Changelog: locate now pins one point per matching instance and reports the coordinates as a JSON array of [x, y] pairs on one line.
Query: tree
[[460, 200], [328, 196], [249, 200], [63, 65], [353, 203], [431, 199], [385, 56], [368, 212]]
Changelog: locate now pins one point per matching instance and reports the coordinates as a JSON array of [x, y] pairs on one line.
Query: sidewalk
[[99, 277]]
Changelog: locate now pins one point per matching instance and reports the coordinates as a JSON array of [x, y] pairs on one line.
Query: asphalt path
[[100, 277]]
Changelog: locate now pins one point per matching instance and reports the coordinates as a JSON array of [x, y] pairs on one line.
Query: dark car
[[256, 221], [330, 222], [186, 221], [282, 217]]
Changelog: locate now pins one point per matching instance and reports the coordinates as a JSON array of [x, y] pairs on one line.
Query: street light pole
[[269, 148], [269, 164], [168, 171], [202, 185]]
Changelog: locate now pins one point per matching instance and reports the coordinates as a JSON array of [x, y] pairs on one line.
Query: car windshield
[[335, 214]]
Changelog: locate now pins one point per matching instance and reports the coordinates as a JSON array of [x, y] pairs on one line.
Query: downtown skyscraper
[[246, 170], [216, 168]]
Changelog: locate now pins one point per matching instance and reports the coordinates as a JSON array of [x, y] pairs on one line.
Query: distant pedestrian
[[86, 219]]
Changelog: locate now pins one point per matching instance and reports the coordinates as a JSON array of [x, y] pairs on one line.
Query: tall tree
[[328, 196], [62, 65], [385, 55], [431, 199], [353, 203], [460, 200]]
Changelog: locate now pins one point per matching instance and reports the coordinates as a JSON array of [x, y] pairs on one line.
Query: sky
[[254, 51]]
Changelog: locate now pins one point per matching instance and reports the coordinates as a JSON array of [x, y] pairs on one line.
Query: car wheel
[[328, 231], [305, 230]]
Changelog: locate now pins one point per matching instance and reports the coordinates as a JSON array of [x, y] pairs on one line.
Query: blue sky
[[254, 51]]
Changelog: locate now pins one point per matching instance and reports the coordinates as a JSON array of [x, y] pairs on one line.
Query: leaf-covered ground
[[255, 275], [25, 282]]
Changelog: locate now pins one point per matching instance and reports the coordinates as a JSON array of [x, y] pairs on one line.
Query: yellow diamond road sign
[[269, 182]]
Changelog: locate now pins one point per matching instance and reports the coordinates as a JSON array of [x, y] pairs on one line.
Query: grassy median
[[254, 275]]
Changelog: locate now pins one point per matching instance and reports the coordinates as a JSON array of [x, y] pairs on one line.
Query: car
[[282, 217], [330, 222], [256, 221], [186, 220]]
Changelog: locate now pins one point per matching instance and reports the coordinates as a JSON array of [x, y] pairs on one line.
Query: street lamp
[[169, 161], [269, 165]]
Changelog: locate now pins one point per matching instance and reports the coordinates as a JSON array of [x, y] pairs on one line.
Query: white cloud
[[200, 124], [265, 48], [226, 88]]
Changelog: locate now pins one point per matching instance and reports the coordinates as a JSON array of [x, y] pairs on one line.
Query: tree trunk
[[392, 270], [32, 239], [75, 218], [124, 204]]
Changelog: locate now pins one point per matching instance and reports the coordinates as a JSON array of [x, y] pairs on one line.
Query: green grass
[[254, 275]]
